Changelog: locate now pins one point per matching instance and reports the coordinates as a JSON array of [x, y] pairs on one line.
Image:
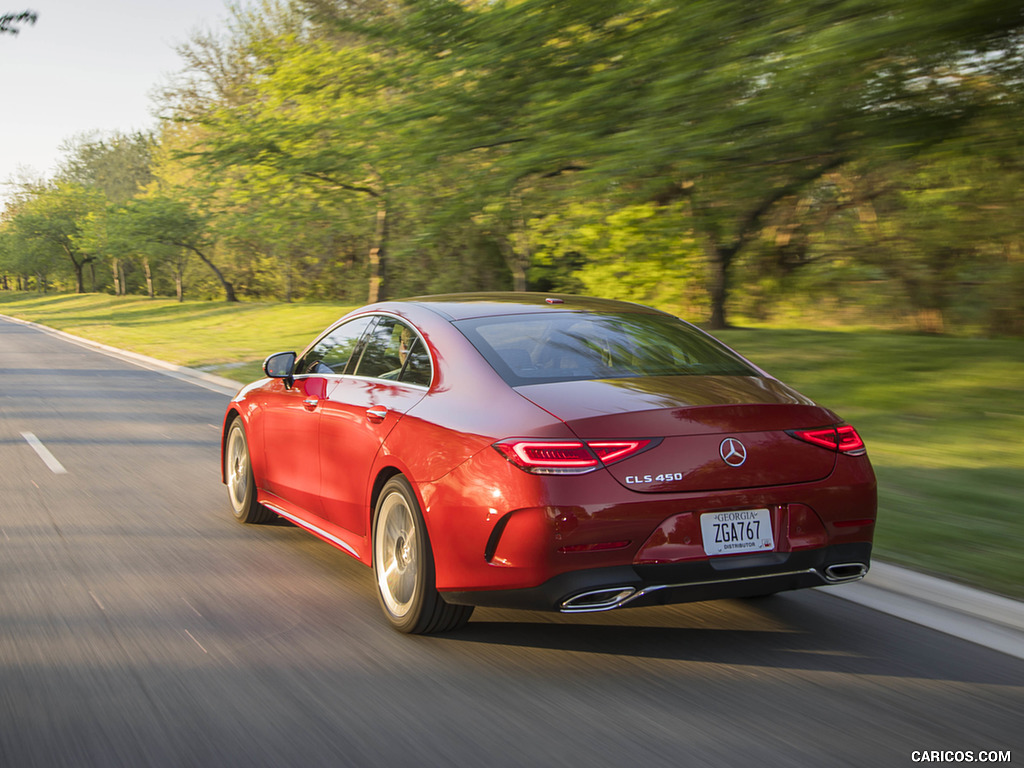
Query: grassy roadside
[[229, 340], [942, 417]]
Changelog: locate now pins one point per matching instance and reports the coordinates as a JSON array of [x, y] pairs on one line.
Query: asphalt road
[[140, 625]]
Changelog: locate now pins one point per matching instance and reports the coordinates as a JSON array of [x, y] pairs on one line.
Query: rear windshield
[[568, 346]]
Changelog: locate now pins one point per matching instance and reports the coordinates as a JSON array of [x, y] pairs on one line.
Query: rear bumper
[[603, 589], [496, 528]]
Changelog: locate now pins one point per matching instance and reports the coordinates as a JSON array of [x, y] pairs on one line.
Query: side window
[[331, 354], [394, 351], [417, 366]]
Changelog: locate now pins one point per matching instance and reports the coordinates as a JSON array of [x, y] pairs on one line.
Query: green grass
[[943, 418], [230, 340]]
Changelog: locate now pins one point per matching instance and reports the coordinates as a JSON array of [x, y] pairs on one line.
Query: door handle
[[376, 414], [310, 403]]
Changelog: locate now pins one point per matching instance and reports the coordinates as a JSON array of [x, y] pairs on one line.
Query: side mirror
[[280, 366]]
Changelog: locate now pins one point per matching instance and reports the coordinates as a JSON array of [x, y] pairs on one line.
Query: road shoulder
[[971, 614]]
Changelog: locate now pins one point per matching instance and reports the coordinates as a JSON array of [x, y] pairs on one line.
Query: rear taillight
[[567, 457], [611, 451], [843, 439]]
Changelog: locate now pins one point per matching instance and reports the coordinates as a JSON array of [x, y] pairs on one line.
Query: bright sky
[[86, 65]]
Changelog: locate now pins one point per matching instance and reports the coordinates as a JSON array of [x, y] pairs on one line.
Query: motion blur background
[[858, 162]]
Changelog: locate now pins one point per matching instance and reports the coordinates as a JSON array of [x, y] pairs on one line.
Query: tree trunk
[[117, 276], [516, 245], [229, 289], [719, 261], [519, 274], [179, 288], [286, 263], [124, 283], [378, 254], [721, 257], [516, 262], [149, 277], [79, 267]]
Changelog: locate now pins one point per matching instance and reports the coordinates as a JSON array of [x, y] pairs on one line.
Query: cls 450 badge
[[666, 477]]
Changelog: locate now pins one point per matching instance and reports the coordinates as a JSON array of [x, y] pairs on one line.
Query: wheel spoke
[[396, 554], [395, 528], [410, 543], [238, 464]]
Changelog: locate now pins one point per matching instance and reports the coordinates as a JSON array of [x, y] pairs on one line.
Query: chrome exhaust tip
[[843, 572], [597, 600]]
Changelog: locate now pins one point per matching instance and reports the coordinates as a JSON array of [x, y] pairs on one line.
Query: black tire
[[239, 478], [403, 566]]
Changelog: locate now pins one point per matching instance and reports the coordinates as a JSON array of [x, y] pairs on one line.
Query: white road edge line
[[208, 381], [48, 458]]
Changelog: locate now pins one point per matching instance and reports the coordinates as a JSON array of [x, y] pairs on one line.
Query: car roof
[[463, 306]]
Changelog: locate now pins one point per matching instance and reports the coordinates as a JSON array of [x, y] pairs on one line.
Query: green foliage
[[719, 158], [46, 227], [9, 21], [731, 108], [119, 166], [634, 253], [1004, 301]]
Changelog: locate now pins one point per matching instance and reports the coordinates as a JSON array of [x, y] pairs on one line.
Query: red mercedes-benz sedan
[[548, 452]]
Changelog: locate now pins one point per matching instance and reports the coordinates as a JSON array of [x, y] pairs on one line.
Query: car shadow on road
[[798, 631], [805, 630]]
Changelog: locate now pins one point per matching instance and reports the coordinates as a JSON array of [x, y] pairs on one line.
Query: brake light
[[572, 456], [567, 457], [842, 439], [849, 440], [610, 452]]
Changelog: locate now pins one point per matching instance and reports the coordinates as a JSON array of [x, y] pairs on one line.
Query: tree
[[315, 123], [52, 221], [633, 253], [119, 164], [945, 229], [9, 21], [727, 106], [168, 222], [265, 105]]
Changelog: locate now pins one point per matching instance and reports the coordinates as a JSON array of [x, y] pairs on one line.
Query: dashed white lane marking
[[41, 450], [196, 642], [197, 613]]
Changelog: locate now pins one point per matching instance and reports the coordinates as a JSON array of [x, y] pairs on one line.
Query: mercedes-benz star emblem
[[732, 451]]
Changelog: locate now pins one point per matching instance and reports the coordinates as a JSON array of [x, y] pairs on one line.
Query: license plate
[[744, 530]]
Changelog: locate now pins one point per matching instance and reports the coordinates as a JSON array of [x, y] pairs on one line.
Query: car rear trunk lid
[[708, 432]]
